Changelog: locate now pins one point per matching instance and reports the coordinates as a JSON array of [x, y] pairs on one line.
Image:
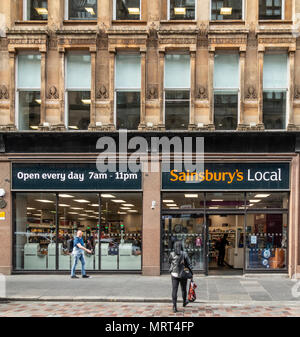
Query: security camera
[[2, 192], [153, 204]]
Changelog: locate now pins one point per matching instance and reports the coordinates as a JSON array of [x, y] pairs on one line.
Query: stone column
[[193, 89], [62, 123], [12, 94], [242, 91], [291, 125], [211, 63], [151, 222], [161, 70], [43, 86], [261, 53], [112, 87], [93, 52], [143, 90]]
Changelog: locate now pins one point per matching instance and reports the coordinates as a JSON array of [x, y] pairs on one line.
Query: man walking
[[79, 255]]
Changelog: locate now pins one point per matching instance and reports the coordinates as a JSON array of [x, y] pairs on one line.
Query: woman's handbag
[[192, 293], [185, 273]]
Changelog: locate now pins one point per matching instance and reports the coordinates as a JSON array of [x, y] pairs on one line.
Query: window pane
[[82, 9], [225, 110], [37, 10], [177, 110], [227, 10], [29, 110], [226, 71], [274, 109], [270, 10], [225, 200], [128, 10], [275, 71], [182, 10], [79, 103], [267, 200], [177, 71], [35, 231], [78, 71], [128, 71], [128, 110], [29, 71], [121, 231], [266, 241], [181, 200]]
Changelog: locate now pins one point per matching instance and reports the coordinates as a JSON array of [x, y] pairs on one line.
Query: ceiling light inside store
[[191, 195], [65, 196], [119, 201], [90, 10], [122, 213], [34, 127], [81, 218], [179, 10], [89, 211], [42, 11], [64, 205], [76, 208], [94, 205], [124, 207], [254, 200], [168, 201], [217, 200], [226, 11], [45, 201], [172, 205], [262, 195], [133, 211], [107, 196], [86, 101], [72, 213], [128, 205], [30, 208], [251, 205], [39, 101], [82, 201], [73, 127], [134, 11]]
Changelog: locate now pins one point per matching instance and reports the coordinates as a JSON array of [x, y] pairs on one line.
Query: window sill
[[129, 22], [80, 22], [32, 22], [178, 21], [281, 22], [226, 22]]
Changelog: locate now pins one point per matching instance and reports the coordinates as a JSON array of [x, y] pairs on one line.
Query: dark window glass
[[225, 110], [225, 200], [128, 110], [128, 10], [227, 9], [37, 10], [177, 108], [82, 9], [270, 9], [182, 9], [267, 200], [274, 109], [173, 201], [79, 110], [29, 110]]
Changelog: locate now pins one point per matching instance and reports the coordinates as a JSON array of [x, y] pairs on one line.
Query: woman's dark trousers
[[175, 284]]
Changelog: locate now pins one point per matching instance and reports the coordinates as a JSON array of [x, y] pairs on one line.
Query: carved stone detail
[[251, 93], [102, 93], [53, 93], [202, 93], [4, 92], [152, 92], [297, 92]]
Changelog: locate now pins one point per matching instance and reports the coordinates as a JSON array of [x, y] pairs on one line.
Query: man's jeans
[[77, 257]]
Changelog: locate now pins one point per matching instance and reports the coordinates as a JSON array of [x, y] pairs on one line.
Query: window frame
[[115, 12], [168, 12], [18, 90], [243, 13], [282, 13], [66, 12], [25, 12]]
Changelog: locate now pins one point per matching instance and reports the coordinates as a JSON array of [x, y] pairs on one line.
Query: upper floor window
[[227, 9], [182, 9], [271, 9], [275, 88], [78, 90], [177, 91], [128, 91], [226, 90], [35, 10], [28, 91], [127, 9], [81, 9]]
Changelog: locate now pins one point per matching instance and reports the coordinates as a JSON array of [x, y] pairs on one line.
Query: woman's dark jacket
[[176, 265]]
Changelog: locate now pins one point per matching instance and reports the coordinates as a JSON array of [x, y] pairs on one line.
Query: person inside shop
[[221, 246], [79, 255], [179, 260]]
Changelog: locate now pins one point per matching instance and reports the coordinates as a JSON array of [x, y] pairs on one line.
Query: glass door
[[190, 230]]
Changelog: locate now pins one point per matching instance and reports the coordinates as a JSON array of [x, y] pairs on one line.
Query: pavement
[[268, 290]]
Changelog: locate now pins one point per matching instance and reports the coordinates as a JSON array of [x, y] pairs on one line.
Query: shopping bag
[[192, 293]]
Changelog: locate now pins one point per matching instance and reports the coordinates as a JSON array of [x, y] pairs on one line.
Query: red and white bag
[[192, 293]]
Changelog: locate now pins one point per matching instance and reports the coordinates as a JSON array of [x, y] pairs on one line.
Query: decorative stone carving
[[53, 93], [251, 93], [202, 93], [152, 92], [297, 92], [3, 92], [102, 93]]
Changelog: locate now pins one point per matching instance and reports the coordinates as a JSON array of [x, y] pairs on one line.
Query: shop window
[[177, 91], [78, 84], [275, 90], [128, 91], [35, 10], [266, 241], [175, 201], [271, 9], [267, 200], [127, 9], [28, 91], [81, 9], [227, 9], [182, 9], [225, 200], [34, 231], [226, 91]]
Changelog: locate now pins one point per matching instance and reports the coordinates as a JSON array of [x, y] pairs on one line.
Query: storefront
[[246, 202], [51, 202]]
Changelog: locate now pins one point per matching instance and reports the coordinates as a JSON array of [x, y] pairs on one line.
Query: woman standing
[[179, 260]]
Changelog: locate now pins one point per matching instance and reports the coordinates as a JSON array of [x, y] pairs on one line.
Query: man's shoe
[[86, 276], [175, 308], [185, 303], [74, 276]]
